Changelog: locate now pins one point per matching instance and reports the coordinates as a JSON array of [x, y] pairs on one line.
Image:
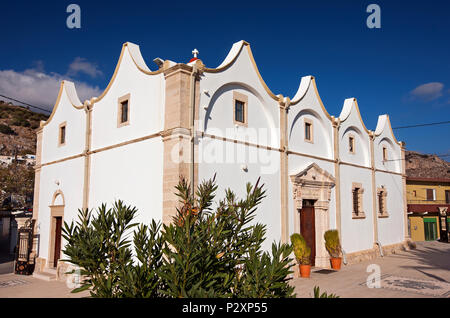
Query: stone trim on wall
[[351, 150], [243, 99], [405, 203], [360, 213], [62, 125], [290, 152], [311, 132], [120, 101], [55, 211], [314, 183], [87, 157], [37, 183], [246, 143], [382, 211], [373, 185], [182, 99], [284, 185], [337, 174]]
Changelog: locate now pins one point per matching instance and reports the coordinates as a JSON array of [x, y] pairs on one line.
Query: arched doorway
[[312, 194], [56, 222]]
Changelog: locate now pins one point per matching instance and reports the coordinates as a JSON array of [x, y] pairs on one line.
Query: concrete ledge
[[360, 256], [44, 276]]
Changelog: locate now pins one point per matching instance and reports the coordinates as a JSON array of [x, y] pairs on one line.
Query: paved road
[[423, 272]]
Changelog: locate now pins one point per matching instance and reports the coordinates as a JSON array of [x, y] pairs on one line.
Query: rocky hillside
[[17, 137], [17, 129], [426, 166]]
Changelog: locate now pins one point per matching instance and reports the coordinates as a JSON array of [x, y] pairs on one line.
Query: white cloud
[[428, 91], [81, 65], [36, 87]]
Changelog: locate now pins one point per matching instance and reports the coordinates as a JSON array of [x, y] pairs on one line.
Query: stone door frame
[[314, 183], [56, 210]]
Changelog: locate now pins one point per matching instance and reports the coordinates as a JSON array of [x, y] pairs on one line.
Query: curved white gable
[[302, 89], [72, 94], [353, 125], [238, 73], [233, 53], [146, 101], [346, 109], [136, 55], [66, 89], [384, 137], [381, 124], [69, 110], [307, 105], [351, 107], [241, 50], [384, 124]]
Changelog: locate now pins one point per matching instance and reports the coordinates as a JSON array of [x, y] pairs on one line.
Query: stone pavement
[[422, 272], [22, 286]]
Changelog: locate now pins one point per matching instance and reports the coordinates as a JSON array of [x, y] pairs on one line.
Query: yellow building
[[428, 208]]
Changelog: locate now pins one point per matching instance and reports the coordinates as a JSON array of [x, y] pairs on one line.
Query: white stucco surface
[[127, 162]]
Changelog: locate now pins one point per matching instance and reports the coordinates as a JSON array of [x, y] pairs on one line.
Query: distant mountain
[[17, 129], [420, 165]]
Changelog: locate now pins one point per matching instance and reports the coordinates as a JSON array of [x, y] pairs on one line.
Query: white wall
[[391, 229], [309, 107], [70, 176], [146, 105], [134, 172], [226, 158], [232, 176], [263, 110], [75, 131], [357, 234]]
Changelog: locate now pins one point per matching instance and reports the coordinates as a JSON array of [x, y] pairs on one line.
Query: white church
[[149, 127]]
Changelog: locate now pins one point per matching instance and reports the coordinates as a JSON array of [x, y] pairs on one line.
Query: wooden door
[[308, 229], [58, 228]]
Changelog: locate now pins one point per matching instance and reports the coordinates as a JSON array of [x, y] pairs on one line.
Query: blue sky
[[402, 69]]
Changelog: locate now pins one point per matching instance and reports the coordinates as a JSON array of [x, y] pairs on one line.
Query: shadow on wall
[[234, 86]]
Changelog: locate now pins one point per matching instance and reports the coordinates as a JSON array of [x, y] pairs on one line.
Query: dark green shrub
[[332, 243], [317, 294], [202, 253], [5, 129], [21, 122], [302, 251]]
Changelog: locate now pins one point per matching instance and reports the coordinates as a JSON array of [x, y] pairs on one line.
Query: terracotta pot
[[305, 271], [336, 263]]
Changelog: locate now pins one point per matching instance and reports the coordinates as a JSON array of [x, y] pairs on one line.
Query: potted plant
[[302, 253], [333, 247]]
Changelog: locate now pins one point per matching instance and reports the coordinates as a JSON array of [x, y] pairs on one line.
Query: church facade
[[149, 127]]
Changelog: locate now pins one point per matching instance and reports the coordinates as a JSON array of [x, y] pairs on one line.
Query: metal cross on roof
[[195, 52]]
